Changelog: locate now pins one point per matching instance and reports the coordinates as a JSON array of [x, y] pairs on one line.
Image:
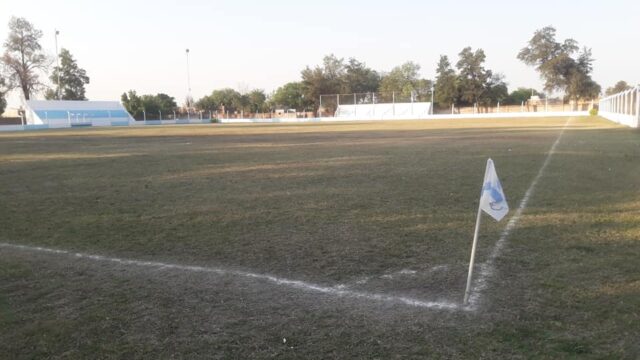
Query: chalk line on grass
[[296, 284], [487, 269]]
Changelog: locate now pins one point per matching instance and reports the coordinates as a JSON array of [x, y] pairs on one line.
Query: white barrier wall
[[522, 115], [623, 108], [385, 111]]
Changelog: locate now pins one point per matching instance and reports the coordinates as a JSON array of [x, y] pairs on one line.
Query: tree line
[[24, 62], [562, 65]]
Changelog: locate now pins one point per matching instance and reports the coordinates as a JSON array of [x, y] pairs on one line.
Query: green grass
[[326, 203]]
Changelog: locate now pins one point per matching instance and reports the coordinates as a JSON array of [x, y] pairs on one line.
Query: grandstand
[[55, 113]]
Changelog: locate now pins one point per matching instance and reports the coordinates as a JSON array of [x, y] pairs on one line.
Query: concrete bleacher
[[66, 113]]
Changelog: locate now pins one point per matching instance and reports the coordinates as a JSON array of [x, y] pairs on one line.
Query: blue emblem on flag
[[495, 191]]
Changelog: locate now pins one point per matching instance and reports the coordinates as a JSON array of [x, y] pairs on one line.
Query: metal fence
[[542, 105], [331, 105], [623, 108], [192, 114]]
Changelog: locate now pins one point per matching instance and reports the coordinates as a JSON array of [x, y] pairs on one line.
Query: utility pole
[[58, 63], [188, 82]]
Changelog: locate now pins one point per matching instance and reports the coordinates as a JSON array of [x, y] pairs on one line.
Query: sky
[[245, 44]]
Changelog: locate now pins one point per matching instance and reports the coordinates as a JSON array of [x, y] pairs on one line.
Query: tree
[[520, 95], [152, 105], [619, 87], [324, 80], [446, 83], [257, 101], [224, 99], [166, 103], [3, 101], [472, 76], [358, 78], [133, 103], [405, 82], [291, 96], [335, 76], [72, 79], [23, 58], [558, 66], [207, 103], [496, 90]]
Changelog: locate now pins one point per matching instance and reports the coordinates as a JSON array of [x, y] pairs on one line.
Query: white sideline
[[302, 285], [487, 269]]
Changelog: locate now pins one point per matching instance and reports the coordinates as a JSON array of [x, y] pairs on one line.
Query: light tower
[[188, 81], [57, 63]]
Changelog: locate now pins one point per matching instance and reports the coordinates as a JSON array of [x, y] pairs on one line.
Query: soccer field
[[326, 240]]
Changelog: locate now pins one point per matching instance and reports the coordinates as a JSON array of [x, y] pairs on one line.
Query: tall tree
[[472, 76], [446, 83], [516, 97], [3, 101], [558, 65], [496, 91], [619, 87], [359, 78], [324, 80], [23, 58], [133, 103], [256, 100], [166, 103], [71, 77], [207, 103], [153, 105], [228, 99], [335, 76], [291, 96], [405, 82]]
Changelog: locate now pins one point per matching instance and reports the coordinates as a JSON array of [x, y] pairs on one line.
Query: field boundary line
[[296, 284], [487, 269]]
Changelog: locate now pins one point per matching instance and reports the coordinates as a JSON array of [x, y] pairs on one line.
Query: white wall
[[623, 108], [384, 111]]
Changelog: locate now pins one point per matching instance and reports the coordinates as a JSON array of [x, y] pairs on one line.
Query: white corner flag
[[494, 203], [492, 200]]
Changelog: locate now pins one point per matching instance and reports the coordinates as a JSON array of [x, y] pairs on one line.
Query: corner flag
[[494, 203], [492, 200]]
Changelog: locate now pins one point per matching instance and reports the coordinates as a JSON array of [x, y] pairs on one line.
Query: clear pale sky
[[263, 44]]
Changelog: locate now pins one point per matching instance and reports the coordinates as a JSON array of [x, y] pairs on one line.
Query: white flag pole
[[475, 243]]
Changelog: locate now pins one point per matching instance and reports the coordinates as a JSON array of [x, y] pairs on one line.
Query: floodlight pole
[[57, 62], [188, 81], [433, 89]]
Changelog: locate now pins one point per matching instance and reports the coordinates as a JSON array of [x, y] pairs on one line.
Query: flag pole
[[467, 291], [473, 256]]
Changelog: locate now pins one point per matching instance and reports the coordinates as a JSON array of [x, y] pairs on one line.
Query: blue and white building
[[65, 113]]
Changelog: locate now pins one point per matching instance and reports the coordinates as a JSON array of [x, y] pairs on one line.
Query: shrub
[[593, 112]]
